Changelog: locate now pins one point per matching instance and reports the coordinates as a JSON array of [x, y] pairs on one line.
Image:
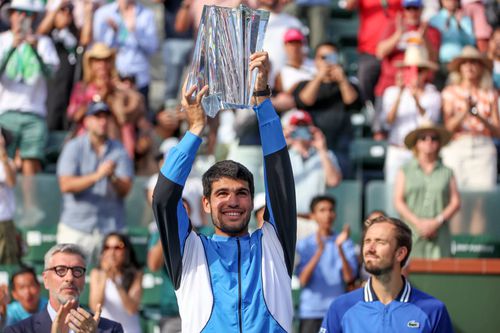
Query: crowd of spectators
[[430, 69]]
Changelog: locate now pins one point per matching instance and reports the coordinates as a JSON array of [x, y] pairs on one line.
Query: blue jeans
[[176, 55]]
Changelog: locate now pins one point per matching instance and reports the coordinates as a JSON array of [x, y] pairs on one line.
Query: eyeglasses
[[62, 270], [117, 247], [424, 137]]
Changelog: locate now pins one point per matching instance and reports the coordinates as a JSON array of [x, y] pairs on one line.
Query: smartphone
[[332, 58], [302, 133], [26, 25]]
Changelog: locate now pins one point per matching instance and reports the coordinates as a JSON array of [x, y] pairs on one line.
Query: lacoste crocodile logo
[[413, 324]]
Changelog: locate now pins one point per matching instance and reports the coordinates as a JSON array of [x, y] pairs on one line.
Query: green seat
[[344, 31], [139, 237], [367, 154], [5, 273], [349, 204], [138, 211], [40, 204], [38, 240], [152, 288], [378, 196], [53, 148]]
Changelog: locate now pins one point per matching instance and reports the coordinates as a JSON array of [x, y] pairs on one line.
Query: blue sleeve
[[331, 322], [171, 217], [443, 321], [124, 167], [144, 35], [281, 209], [68, 162], [102, 32], [467, 31]]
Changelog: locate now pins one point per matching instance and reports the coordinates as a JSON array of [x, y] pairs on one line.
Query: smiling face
[[230, 204], [381, 254], [26, 290], [63, 288]]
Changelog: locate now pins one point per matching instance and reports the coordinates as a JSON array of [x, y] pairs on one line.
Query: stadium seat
[[348, 195], [138, 211], [38, 241], [53, 148], [368, 156], [139, 238]]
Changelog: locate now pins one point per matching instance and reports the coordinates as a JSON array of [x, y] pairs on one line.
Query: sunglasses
[[62, 270], [412, 8], [120, 246], [424, 137]]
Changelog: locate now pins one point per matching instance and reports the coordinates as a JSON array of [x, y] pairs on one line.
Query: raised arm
[[171, 217], [281, 210]]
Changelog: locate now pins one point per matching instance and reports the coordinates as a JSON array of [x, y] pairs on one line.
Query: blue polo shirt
[[413, 311], [99, 207], [326, 282], [16, 312]]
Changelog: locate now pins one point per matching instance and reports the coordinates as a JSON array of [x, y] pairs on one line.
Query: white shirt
[[7, 198], [277, 26], [20, 96], [290, 76], [408, 117]]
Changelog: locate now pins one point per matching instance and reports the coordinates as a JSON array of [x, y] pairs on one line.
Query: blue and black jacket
[[231, 284]]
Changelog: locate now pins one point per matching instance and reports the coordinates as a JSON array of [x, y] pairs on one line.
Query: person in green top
[[426, 194]]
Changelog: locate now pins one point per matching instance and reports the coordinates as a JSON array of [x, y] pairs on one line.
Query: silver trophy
[[226, 39]]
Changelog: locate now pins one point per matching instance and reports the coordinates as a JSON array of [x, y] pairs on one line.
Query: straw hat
[[97, 51], [417, 55], [411, 138], [469, 53]]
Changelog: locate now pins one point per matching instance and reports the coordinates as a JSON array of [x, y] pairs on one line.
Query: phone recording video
[[302, 133]]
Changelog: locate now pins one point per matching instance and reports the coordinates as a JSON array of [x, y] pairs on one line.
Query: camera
[[302, 133]]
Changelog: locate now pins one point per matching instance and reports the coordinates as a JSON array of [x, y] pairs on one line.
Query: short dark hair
[[403, 232], [326, 43], [226, 169], [319, 198], [21, 271]]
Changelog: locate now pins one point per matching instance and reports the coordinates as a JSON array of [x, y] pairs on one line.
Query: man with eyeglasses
[[64, 278]]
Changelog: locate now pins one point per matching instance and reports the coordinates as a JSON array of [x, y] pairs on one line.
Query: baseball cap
[[300, 117], [293, 35], [412, 3], [96, 107]]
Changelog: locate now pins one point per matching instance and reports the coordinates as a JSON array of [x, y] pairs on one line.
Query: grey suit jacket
[[41, 323]]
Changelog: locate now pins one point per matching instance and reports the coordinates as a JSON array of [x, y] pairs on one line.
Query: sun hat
[[469, 53], [417, 55], [97, 51], [426, 126], [35, 6]]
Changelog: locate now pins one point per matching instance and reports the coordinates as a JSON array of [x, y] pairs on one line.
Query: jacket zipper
[[239, 286]]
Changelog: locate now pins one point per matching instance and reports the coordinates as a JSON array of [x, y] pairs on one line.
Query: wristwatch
[[262, 93]]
